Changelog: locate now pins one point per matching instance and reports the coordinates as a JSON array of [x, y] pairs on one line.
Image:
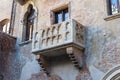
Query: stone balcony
[[67, 33], [63, 39]]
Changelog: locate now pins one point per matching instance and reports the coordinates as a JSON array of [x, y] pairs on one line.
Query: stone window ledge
[[25, 42], [111, 17]]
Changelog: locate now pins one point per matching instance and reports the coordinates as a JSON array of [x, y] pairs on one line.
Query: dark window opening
[[113, 7], [61, 15], [29, 18]]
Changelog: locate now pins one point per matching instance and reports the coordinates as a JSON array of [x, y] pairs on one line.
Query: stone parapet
[[67, 32]]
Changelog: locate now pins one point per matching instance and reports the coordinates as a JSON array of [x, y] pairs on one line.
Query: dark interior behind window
[[61, 15], [113, 6]]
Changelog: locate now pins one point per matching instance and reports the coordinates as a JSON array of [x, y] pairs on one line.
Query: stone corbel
[[44, 63], [76, 56]]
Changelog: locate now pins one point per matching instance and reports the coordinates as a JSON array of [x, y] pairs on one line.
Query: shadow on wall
[[1, 77], [43, 76], [96, 38], [103, 48]]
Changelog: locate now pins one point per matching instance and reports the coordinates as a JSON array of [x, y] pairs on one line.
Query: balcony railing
[[65, 33]]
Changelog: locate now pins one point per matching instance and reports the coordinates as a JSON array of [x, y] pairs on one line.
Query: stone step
[[42, 66], [40, 63], [70, 54], [77, 65], [75, 62], [44, 69], [73, 59]]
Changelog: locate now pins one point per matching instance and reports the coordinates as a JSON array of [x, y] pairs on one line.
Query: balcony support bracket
[[76, 56]]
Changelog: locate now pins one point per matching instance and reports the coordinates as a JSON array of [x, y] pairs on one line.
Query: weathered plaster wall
[[102, 37], [19, 64], [10, 66], [5, 9], [9, 58], [99, 32], [30, 64], [63, 67]]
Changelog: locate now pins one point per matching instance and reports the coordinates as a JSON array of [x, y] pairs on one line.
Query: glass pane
[[59, 17], [66, 16], [114, 6]]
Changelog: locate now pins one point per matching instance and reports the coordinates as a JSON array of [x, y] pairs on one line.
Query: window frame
[[27, 32], [58, 8], [62, 12], [110, 9]]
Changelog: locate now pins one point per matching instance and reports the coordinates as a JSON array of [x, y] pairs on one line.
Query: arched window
[[5, 25], [29, 22], [113, 74]]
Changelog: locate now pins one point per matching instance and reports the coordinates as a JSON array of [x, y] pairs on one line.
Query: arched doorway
[[113, 74], [28, 22], [5, 25]]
